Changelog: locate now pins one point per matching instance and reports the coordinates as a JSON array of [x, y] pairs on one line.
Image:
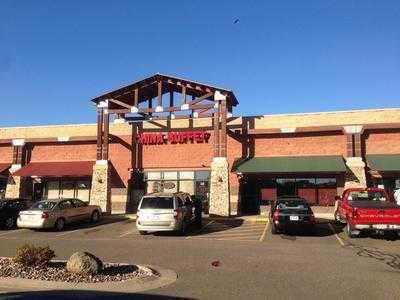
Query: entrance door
[[38, 191], [286, 187]]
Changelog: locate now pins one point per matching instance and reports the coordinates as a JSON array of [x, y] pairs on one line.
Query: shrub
[[30, 256]]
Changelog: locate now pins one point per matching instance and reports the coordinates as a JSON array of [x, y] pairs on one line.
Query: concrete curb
[[129, 286]]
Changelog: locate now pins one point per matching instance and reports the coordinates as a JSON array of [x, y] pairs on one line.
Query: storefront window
[[174, 181], [83, 190], [202, 175], [67, 189], [170, 175], [186, 186], [52, 189], [186, 175], [326, 182], [153, 175]]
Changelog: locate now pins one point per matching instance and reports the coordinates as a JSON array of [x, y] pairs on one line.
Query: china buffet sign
[[178, 137]]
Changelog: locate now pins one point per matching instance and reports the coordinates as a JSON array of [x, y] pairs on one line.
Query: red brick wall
[[64, 152], [196, 155], [382, 142], [6, 153], [297, 145]]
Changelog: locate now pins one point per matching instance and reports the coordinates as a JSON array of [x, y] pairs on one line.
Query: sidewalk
[[320, 212]]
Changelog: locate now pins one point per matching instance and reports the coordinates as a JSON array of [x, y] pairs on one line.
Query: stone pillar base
[[15, 184], [101, 186], [355, 176], [219, 187]]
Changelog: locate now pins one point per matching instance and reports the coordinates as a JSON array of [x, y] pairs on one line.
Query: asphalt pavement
[[232, 258]]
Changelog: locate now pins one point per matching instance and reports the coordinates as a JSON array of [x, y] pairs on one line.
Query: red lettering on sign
[[181, 137]]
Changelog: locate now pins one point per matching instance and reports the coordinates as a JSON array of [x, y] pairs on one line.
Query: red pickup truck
[[367, 209]]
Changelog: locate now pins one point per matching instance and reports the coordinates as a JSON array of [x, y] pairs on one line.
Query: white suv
[[165, 212]]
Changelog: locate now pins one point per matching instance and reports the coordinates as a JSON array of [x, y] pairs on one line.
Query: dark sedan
[[9, 209], [289, 213]]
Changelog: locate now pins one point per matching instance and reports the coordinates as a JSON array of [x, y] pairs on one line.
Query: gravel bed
[[56, 271]]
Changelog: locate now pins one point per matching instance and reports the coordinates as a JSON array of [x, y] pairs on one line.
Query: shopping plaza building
[[169, 134]]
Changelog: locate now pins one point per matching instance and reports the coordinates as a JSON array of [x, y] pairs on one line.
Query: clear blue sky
[[281, 57]]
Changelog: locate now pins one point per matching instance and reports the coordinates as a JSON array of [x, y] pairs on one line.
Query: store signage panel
[[174, 137]]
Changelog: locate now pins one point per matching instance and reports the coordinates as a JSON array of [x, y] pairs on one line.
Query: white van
[[165, 212]]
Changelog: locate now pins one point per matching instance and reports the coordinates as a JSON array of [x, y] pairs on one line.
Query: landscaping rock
[[84, 263]]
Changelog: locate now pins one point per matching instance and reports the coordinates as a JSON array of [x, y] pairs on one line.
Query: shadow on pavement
[[322, 229], [86, 224], [77, 294]]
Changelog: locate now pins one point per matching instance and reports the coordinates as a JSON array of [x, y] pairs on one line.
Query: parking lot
[[247, 253], [235, 230]]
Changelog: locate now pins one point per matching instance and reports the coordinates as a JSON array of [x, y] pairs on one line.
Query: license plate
[[154, 217], [380, 226], [294, 218]]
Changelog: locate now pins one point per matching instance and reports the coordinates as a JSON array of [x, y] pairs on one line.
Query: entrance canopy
[[57, 169], [384, 162], [137, 98], [292, 164]]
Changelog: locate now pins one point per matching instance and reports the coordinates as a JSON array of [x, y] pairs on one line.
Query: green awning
[[292, 164], [384, 162]]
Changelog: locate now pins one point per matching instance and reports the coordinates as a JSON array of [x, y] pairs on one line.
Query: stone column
[[219, 187], [355, 175], [15, 184], [101, 186], [219, 182]]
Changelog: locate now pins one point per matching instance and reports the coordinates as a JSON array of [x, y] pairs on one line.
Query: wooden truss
[[144, 100]]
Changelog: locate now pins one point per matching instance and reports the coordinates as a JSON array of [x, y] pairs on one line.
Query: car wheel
[[60, 224], [141, 232], [9, 223], [349, 231], [95, 217]]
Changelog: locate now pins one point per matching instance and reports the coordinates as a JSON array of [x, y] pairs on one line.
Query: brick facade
[[197, 156]]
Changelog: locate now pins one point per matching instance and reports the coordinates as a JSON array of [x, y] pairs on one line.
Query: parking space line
[[262, 237], [67, 232], [226, 234], [200, 230], [341, 242]]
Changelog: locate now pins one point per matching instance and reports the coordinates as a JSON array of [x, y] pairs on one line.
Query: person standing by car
[[198, 208]]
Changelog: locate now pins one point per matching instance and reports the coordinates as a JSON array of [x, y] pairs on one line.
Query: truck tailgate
[[374, 212]]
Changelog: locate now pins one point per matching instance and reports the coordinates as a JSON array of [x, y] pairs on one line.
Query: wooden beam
[[106, 135], [120, 103], [136, 97], [159, 96], [216, 132], [171, 98], [223, 133], [184, 93], [166, 109], [99, 155], [201, 98]]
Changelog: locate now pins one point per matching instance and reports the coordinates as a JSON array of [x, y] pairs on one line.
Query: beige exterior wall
[[358, 117]]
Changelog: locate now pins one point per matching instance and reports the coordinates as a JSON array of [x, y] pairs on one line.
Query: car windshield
[[44, 205], [157, 202], [291, 204], [367, 196]]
